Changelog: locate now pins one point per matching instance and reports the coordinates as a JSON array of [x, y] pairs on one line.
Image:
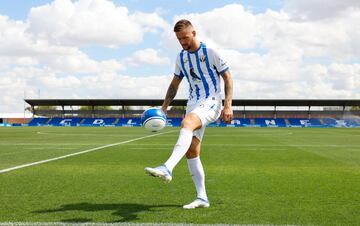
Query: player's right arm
[[171, 92]]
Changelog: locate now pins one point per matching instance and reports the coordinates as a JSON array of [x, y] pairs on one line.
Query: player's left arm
[[227, 112]]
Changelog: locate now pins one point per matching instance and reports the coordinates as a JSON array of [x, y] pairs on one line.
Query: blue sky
[[113, 49]]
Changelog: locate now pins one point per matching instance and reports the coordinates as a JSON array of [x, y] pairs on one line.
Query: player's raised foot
[[198, 203], [161, 172]]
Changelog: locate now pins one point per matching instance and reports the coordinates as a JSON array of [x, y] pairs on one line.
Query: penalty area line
[[79, 153]]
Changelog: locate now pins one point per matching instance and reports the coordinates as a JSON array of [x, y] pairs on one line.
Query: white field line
[[46, 144], [78, 153]]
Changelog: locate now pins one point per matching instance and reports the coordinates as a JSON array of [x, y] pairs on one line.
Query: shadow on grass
[[127, 211]]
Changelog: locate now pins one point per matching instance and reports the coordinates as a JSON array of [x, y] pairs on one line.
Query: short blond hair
[[181, 25]]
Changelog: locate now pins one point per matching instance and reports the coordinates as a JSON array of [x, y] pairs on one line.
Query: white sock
[[197, 172], [181, 147]]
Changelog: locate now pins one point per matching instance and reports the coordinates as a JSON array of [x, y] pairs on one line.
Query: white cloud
[[270, 67], [332, 38], [150, 22], [127, 86], [344, 77], [230, 26], [146, 56], [320, 9], [19, 47], [14, 41], [51, 81], [88, 22], [13, 85], [98, 85], [72, 60]]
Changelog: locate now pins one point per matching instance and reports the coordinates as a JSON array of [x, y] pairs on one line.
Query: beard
[[186, 47]]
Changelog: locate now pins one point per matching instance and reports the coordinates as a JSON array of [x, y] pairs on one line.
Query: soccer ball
[[153, 119]]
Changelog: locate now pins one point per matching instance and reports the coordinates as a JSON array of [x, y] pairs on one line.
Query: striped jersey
[[202, 70]]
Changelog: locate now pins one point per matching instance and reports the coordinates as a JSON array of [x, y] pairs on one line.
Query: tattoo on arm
[[170, 94]]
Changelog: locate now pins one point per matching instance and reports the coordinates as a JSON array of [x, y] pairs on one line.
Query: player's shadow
[[127, 211]]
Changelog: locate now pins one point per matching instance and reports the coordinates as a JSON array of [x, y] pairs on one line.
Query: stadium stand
[[237, 122], [330, 122], [270, 122], [299, 122], [315, 122], [39, 122], [337, 116], [97, 121], [64, 122], [352, 122], [129, 122], [176, 122]]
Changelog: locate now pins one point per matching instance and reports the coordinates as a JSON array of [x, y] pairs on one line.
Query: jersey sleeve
[[178, 71], [219, 63]]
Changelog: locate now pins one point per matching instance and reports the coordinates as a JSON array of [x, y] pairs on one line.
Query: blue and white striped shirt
[[202, 70]]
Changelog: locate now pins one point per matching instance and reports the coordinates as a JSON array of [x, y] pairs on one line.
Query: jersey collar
[[201, 45]]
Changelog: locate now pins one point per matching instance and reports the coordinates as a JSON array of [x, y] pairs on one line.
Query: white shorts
[[208, 110]]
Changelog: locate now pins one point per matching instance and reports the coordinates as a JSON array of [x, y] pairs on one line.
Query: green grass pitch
[[253, 176]]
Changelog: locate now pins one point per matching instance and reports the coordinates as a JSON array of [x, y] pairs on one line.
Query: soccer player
[[202, 67]]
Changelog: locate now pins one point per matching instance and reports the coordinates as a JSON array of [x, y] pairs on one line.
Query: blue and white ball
[[153, 119]]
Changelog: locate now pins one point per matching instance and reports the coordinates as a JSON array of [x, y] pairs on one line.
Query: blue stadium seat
[[129, 122], [64, 121], [352, 122], [219, 123], [330, 122], [280, 122], [38, 122], [98, 122], [299, 122], [315, 122], [236, 122], [245, 122], [268, 122], [174, 122]]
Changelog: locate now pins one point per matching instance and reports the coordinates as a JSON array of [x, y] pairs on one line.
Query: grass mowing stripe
[[261, 145], [78, 153], [47, 144], [115, 224]]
